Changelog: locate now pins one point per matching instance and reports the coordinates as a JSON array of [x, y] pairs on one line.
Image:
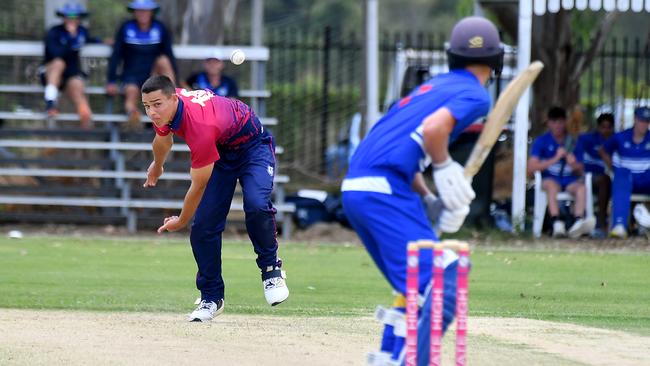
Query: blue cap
[[72, 10], [642, 113], [143, 5]]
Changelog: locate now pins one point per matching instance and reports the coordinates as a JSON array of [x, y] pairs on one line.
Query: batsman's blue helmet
[[475, 40], [143, 5], [72, 10]]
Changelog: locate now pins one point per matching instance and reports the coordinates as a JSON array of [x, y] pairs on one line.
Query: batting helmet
[[72, 10], [475, 40], [143, 5]]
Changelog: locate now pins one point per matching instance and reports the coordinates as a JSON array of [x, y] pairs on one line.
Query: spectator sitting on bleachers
[[212, 78], [143, 46], [628, 153], [586, 151], [62, 66], [561, 171]]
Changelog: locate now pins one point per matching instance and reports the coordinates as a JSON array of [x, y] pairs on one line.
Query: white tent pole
[[372, 66], [521, 119], [258, 69]]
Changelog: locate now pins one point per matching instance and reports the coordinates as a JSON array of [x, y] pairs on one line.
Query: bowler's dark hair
[[605, 117], [556, 113], [159, 82]]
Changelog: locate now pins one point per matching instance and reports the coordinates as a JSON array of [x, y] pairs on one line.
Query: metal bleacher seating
[[96, 175]]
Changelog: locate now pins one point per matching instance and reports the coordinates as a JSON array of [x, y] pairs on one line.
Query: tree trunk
[[554, 44], [565, 62], [202, 21], [169, 14]]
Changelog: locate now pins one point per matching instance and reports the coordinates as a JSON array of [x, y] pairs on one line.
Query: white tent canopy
[[553, 6], [540, 7]]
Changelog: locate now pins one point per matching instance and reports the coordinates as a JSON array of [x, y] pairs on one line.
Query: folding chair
[[541, 201]]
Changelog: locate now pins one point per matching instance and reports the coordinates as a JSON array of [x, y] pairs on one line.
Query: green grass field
[[107, 274]]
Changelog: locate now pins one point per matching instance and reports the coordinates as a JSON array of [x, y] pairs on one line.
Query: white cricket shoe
[[206, 311], [641, 215], [582, 227], [275, 287], [618, 231], [559, 229]]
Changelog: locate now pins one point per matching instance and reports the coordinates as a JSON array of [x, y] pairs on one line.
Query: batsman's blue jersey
[[395, 142], [377, 196], [586, 151]]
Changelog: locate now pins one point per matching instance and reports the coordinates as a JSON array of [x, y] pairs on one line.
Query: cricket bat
[[498, 117], [493, 126]]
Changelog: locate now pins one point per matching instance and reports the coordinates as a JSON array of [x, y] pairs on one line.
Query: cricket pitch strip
[[35, 337]]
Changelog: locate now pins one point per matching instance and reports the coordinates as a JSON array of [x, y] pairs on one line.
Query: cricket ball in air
[[237, 57]]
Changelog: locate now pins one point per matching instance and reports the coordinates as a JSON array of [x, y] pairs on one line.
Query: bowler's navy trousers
[[253, 164]]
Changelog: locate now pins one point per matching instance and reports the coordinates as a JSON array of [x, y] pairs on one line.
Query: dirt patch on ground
[[31, 337]]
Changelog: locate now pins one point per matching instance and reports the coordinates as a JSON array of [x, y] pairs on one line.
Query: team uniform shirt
[[586, 151], [544, 148], [628, 155], [395, 142], [207, 122], [139, 50], [61, 44], [227, 87]]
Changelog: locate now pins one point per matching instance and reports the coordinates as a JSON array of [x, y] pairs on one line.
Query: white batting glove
[[433, 206], [451, 221], [454, 189]]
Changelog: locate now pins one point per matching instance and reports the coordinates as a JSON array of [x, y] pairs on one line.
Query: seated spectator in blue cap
[[143, 47], [628, 152], [62, 65], [586, 151], [213, 78]]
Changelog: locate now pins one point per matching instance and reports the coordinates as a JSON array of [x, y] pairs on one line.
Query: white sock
[[51, 92]]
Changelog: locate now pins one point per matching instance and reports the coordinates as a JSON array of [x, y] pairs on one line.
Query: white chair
[[539, 210]]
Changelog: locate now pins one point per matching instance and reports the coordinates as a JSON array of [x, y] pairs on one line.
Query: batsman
[[384, 193]]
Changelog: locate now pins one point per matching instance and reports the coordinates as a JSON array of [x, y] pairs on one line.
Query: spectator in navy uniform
[[62, 63], [586, 151], [143, 47], [628, 153], [213, 78], [561, 171]]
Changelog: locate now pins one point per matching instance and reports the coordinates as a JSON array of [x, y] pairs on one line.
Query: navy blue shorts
[[67, 74]]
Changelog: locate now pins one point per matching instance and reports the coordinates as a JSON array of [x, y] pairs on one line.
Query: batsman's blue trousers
[[253, 164], [624, 184], [386, 220]]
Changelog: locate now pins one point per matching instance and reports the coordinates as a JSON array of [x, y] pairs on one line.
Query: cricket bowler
[[227, 143]]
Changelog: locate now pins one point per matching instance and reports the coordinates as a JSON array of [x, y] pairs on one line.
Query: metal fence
[[618, 79], [316, 78]]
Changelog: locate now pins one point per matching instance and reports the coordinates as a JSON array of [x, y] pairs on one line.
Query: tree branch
[[597, 41]]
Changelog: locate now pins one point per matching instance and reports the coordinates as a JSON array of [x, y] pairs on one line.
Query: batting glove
[[450, 221], [454, 189]]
